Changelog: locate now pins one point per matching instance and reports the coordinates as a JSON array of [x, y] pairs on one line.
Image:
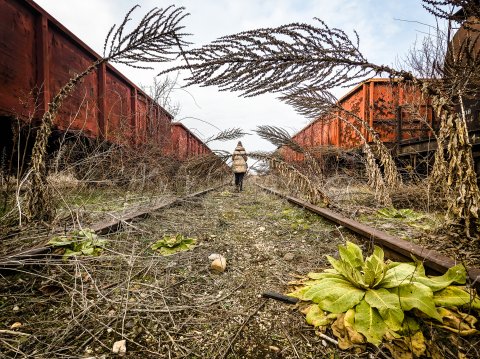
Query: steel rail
[[395, 248], [100, 228]]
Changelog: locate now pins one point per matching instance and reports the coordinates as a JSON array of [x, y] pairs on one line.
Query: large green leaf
[[374, 268], [369, 322], [348, 271], [388, 306], [352, 254], [172, 244], [400, 274], [456, 274], [334, 295], [404, 214], [455, 297], [316, 317], [419, 296], [299, 293], [323, 275]]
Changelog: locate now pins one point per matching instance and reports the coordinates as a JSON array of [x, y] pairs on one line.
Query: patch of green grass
[[297, 218], [404, 217]]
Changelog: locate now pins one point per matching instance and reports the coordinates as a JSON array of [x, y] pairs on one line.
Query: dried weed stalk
[[198, 171], [281, 138], [283, 58], [153, 40], [227, 135], [296, 180]]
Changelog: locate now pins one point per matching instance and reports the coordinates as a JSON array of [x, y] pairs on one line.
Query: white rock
[[120, 347], [16, 308], [214, 256], [219, 264]]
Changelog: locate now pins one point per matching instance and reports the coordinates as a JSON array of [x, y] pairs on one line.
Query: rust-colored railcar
[[185, 144], [38, 56], [397, 113]]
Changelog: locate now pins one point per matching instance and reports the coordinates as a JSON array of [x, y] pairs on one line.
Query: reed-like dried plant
[[154, 39], [293, 56], [296, 180], [227, 135], [281, 138]]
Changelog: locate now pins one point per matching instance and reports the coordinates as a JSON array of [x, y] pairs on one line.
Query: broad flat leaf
[[69, 253], [417, 295], [335, 295], [457, 322], [61, 241], [347, 270], [323, 275], [409, 326], [417, 344], [88, 251], [172, 244], [456, 274], [316, 317], [299, 293], [400, 274], [369, 322], [349, 323], [374, 268], [405, 214], [388, 306], [455, 297], [352, 254]]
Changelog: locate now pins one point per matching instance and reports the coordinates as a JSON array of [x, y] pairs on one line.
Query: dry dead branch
[[152, 40]]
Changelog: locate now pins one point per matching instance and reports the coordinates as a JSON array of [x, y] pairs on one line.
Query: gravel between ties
[[175, 306]]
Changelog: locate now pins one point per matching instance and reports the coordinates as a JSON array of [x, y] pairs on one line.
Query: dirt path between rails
[[175, 306]]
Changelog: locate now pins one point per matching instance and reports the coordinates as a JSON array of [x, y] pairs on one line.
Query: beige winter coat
[[239, 157]]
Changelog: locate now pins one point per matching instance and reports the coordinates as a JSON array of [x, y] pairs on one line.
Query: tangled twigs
[[231, 342], [151, 41], [297, 181], [280, 138]]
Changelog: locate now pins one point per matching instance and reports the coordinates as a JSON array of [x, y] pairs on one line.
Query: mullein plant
[[370, 300]]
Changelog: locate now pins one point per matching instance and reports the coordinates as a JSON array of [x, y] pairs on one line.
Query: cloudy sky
[[385, 37]]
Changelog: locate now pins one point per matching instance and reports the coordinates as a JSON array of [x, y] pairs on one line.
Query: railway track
[[101, 228], [182, 306], [394, 248]]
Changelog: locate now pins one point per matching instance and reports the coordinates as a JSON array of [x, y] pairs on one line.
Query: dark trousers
[[239, 180]]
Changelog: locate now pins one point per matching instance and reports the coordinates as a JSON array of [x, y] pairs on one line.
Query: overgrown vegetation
[[303, 62], [152, 40], [372, 301], [79, 243], [171, 244]]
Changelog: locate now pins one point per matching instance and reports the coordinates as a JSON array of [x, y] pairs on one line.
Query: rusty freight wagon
[[398, 114], [38, 55], [185, 144]]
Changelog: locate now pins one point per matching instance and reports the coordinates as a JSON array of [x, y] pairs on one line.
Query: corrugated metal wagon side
[[39, 55], [185, 144], [397, 113]]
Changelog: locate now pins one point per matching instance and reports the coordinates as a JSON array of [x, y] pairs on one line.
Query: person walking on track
[[239, 165]]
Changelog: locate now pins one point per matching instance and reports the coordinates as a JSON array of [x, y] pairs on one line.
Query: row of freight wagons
[[38, 56]]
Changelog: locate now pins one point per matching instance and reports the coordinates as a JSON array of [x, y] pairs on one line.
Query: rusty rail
[[394, 247], [101, 228]]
